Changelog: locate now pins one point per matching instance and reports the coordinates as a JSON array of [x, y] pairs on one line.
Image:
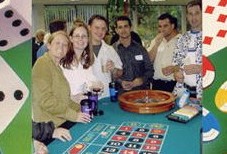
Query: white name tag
[[139, 57]]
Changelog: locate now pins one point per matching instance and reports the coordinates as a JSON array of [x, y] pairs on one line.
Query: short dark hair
[[172, 19], [98, 17], [123, 18], [57, 25], [194, 3]]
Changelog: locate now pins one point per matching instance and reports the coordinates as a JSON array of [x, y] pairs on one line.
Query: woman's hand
[[62, 134], [83, 117]]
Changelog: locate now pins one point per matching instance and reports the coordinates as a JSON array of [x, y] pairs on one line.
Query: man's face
[[165, 27], [194, 16], [98, 29], [123, 29]]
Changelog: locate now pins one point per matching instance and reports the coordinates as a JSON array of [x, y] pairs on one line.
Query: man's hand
[[137, 82], [192, 69], [179, 76], [110, 65], [168, 70], [128, 85], [153, 51], [158, 39]]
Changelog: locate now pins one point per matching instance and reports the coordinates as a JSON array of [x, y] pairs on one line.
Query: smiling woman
[[76, 65], [51, 92]]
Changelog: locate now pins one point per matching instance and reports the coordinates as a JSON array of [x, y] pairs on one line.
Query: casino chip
[[210, 125], [76, 148], [221, 98], [208, 72]]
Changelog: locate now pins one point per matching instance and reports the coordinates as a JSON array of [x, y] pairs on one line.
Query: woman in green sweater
[[50, 90]]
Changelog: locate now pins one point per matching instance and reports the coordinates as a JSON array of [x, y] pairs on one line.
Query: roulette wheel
[[146, 101]]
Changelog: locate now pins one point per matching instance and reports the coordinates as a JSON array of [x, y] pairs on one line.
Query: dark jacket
[[42, 131]]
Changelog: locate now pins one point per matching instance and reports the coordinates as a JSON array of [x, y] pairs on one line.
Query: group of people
[[74, 63], [177, 58]]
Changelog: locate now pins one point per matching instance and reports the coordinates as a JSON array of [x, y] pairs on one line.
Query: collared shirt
[[41, 51], [136, 62], [189, 45], [164, 57], [106, 52]]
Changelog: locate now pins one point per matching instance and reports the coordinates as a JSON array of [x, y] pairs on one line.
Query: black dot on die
[[3, 43], [2, 1], [8, 13], [16, 23], [24, 32], [18, 94], [2, 96]]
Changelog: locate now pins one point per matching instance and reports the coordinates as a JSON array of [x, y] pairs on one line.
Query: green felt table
[[180, 138], [217, 145]]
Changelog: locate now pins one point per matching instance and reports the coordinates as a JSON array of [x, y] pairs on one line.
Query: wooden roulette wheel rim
[[163, 101]]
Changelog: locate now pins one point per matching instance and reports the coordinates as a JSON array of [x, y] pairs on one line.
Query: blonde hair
[[53, 35], [40, 32], [39, 35], [46, 37]]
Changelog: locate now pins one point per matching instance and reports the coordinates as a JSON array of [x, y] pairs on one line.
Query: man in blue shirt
[[54, 26], [137, 67]]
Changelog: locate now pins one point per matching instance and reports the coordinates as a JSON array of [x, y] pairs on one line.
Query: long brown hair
[[87, 57]]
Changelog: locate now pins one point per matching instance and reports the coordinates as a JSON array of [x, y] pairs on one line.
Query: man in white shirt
[[107, 63], [161, 53]]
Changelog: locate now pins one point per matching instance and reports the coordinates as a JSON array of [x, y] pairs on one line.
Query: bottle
[[86, 106], [94, 100], [184, 99], [113, 91]]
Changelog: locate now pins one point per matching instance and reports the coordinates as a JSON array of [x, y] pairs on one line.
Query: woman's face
[[79, 38], [58, 47]]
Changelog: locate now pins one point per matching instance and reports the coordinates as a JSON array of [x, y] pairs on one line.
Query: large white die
[[13, 94], [15, 25]]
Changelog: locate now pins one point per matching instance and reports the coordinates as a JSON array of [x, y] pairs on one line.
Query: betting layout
[[127, 138]]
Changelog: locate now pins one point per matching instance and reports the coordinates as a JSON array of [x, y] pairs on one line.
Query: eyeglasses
[[80, 36]]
